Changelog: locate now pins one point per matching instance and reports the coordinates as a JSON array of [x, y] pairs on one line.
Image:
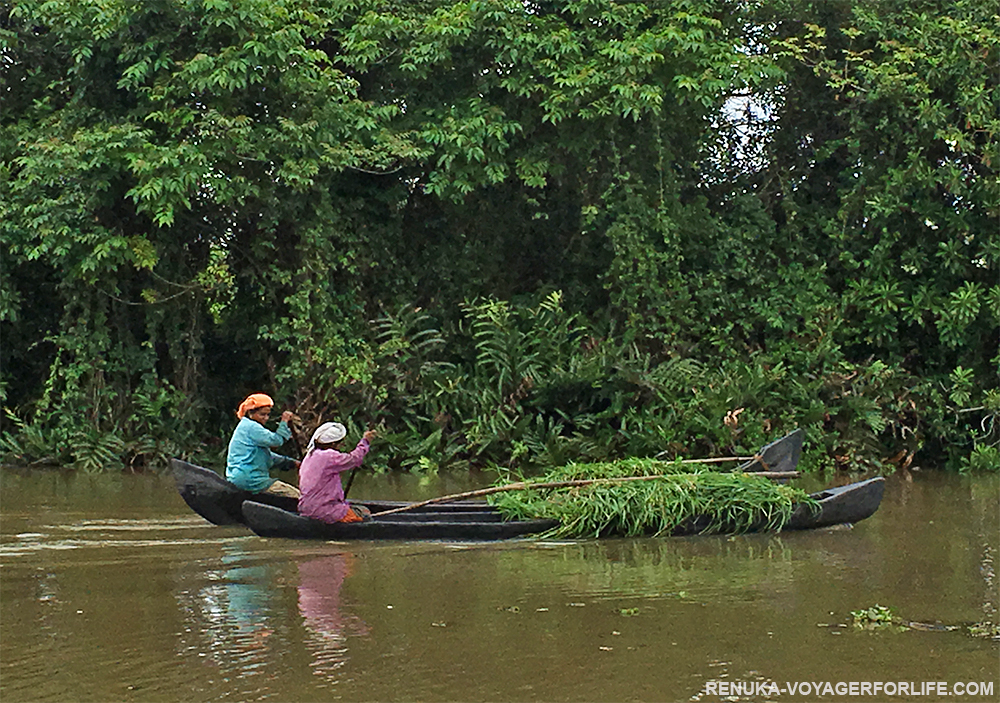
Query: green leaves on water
[[875, 617]]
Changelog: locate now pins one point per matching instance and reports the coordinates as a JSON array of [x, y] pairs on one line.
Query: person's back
[[322, 493]]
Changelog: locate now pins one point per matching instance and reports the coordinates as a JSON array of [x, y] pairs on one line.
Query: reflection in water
[[319, 603], [240, 620], [248, 593], [989, 580], [233, 614]]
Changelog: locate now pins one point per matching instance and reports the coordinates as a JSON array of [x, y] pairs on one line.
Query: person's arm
[[283, 463], [263, 437], [355, 458]]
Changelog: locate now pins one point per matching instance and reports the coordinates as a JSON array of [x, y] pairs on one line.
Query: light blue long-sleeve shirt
[[250, 458]]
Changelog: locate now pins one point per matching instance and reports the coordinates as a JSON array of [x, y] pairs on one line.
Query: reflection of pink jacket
[[319, 592], [319, 602], [319, 482]]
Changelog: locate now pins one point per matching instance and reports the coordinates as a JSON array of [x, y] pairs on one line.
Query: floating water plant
[[645, 497], [985, 629], [877, 617]]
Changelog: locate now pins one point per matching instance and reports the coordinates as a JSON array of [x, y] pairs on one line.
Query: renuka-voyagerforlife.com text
[[852, 688]]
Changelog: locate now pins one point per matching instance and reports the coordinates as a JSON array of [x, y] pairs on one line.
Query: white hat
[[327, 433]]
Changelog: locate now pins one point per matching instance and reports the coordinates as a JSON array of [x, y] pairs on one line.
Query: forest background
[[508, 232]]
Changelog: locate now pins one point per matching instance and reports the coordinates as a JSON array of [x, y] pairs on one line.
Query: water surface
[[112, 590]]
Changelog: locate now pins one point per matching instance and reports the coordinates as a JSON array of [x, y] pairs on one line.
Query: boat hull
[[270, 521], [842, 505], [837, 506], [221, 503], [216, 499]]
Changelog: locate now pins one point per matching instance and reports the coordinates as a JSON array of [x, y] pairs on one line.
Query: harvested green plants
[[630, 498]]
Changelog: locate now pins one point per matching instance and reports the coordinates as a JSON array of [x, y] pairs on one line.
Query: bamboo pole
[[712, 460], [717, 459], [526, 485]]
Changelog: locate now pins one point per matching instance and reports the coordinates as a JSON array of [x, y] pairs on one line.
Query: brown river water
[[111, 589]]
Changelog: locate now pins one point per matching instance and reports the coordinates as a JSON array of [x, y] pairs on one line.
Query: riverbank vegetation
[[511, 234]]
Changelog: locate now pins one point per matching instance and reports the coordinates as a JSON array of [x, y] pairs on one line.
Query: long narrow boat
[[476, 526], [220, 502], [845, 504], [842, 505]]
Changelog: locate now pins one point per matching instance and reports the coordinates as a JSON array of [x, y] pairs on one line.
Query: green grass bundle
[[622, 468], [729, 502]]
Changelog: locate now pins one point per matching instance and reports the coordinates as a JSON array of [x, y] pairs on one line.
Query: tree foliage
[[511, 231]]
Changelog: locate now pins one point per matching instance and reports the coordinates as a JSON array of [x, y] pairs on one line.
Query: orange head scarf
[[254, 401]]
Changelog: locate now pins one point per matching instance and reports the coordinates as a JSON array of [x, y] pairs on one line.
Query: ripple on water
[[184, 523], [34, 543]]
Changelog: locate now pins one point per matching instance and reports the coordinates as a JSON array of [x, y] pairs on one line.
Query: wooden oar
[[525, 485], [295, 435], [780, 455], [350, 480]]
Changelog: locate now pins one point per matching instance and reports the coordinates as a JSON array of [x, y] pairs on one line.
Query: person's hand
[[286, 416], [370, 434]]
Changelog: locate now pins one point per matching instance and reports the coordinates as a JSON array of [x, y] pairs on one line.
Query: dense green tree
[[884, 172], [625, 227]]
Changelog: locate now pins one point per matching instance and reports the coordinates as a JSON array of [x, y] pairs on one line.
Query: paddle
[[295, 435], [780, 455], [350, 480]]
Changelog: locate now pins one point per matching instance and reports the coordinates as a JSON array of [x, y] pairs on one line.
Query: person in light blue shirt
[[250, 459]]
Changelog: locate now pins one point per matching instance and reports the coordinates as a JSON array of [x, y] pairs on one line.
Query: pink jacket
[[319, 482]]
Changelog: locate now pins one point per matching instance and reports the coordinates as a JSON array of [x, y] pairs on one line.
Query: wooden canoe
[[462, 526], [842, 505], [221, 503], [845, 504]]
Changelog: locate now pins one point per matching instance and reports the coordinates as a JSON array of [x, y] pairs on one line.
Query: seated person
[[250, 459], [319, 477]]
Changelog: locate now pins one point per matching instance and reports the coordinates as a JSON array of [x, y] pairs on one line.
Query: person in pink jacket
[[319, 475]]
